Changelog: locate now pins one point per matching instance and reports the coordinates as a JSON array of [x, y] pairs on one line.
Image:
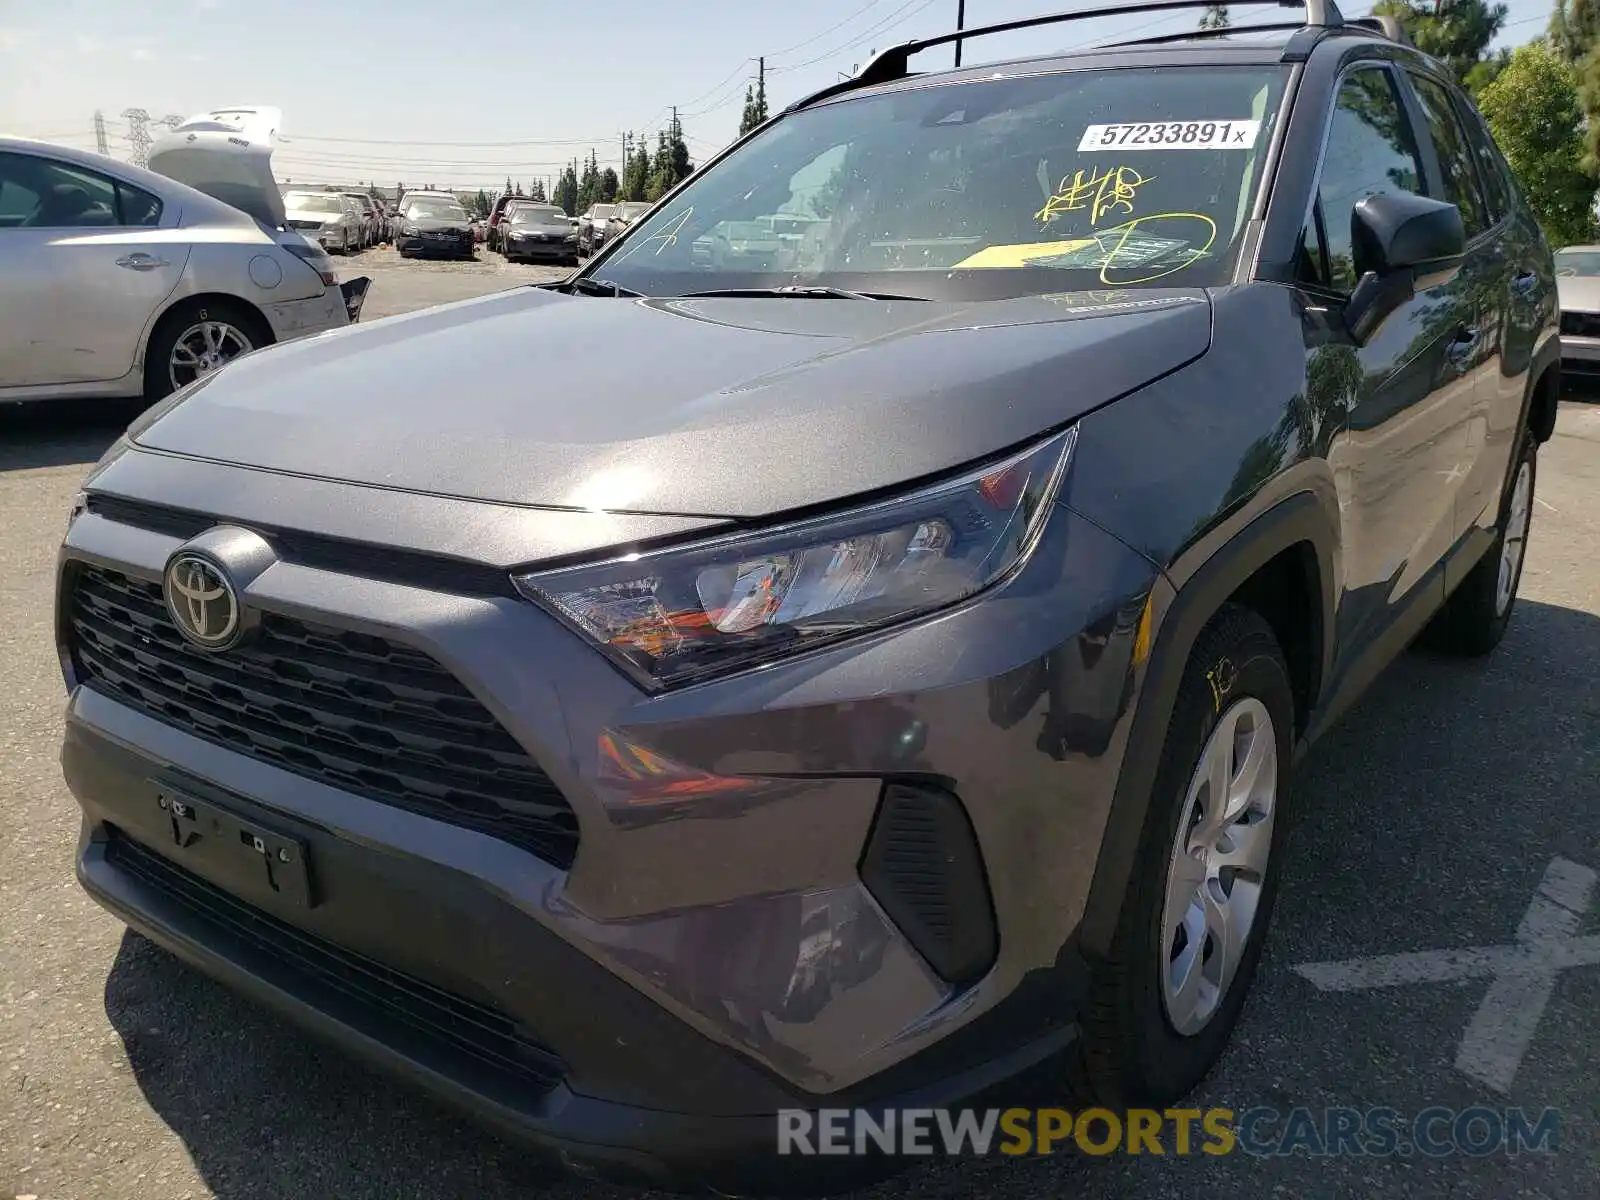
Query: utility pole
[[961, 23], [138, 135], [100, 133]]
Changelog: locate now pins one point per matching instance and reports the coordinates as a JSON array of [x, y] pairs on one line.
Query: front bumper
[[709, 958], [1580, 355], [542, 248], [443, 247]]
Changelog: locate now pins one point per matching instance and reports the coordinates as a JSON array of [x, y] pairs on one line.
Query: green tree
[[566, 191], [1456, 32], [1215, 17], [609, 186], [755, 107], [1532, 107], [1574, 28], [518, 190], [671, 166], [636, 175], [536, 192], [588, 183], [480, 203]]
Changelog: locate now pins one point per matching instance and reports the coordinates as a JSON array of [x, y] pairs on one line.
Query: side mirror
[[1403, 244]]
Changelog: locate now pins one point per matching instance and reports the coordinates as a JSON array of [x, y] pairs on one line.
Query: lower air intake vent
[[922, 864]]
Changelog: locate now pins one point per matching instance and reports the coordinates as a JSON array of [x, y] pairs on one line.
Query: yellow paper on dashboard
[[1022, 255]]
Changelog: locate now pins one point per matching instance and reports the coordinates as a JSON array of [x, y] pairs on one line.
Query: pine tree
[[755, 106], [1456, 32], [609, 186], [507, 192], [518, 191], [589, 183], [566, 192], [536, 192], [480, 203], [636, 176]]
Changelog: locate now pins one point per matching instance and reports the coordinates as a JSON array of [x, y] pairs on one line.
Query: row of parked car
[[342, 222], [533, 230]]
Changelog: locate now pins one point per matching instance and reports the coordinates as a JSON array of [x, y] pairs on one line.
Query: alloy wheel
[[203, 348]]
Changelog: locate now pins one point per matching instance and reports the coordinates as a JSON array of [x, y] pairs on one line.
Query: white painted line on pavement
[[1546, 503], [1523, 974]]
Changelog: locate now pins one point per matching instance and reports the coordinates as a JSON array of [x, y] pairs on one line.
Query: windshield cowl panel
[[1110, 178]]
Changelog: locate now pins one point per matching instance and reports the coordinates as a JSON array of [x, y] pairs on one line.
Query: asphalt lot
[[1426, 823]]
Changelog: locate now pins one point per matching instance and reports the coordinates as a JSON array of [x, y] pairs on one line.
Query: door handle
[[141, 261]]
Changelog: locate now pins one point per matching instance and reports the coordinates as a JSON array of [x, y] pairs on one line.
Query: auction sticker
[[1172, 135]]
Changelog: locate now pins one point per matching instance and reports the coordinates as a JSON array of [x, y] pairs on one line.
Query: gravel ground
[[1427, 821]]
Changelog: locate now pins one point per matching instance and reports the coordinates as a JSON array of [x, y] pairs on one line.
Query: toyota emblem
[[202, 602]]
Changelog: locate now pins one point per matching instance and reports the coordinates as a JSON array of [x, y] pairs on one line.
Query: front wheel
[[1199, 898]]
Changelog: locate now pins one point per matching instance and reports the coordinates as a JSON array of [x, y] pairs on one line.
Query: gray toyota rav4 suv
[[859, 675]]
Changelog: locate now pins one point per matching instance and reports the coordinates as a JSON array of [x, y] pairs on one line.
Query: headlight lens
[[682, 615]]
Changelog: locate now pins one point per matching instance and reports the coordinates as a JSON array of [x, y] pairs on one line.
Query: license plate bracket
[[257, 854]]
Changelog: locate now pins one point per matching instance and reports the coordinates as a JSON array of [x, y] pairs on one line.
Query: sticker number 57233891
[[1171, 135]]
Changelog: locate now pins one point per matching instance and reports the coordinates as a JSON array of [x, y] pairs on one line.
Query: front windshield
[[1577, 262], [316, 204], [539, 216], [1114, 177], [629, 211], [435, 210]]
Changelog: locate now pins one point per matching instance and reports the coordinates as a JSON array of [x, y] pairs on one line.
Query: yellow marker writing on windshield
[[1103, 191], [1120, 235], [669, 236]]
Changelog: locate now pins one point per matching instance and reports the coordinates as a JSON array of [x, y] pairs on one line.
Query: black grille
[[411, 567], [347, 709], [1581, 324], [305, 962]]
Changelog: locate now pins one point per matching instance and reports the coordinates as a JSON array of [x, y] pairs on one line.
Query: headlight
[[573, 236], [685, 614], [409, 230]]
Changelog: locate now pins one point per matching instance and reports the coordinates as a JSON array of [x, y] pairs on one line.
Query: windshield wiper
[[797, 291], [597, 287]]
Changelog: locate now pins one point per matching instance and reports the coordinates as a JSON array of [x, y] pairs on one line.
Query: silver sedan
[[122, 282]]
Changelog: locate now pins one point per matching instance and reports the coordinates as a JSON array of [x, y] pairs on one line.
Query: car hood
[[227, 154], [434, 224], [1579, 293], [710, 407], [307, 214]]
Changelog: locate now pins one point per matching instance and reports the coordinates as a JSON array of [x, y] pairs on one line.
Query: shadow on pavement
[[267, 1112], [60, 433]]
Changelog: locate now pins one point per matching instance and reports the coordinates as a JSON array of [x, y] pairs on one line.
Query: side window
[[1455, 156], [1370, 151], [1491, 167], [70, 198], [139, 209], [18, 201]]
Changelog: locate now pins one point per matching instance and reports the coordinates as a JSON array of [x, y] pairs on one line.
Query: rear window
[[1121, 177], [537, 216]]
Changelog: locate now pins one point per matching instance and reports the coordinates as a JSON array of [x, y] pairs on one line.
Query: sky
[[425, 91]]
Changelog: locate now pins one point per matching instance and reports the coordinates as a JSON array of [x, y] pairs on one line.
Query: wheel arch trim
[[1180, 614]]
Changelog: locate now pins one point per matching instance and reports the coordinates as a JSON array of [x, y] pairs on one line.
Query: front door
[[1402, 394]]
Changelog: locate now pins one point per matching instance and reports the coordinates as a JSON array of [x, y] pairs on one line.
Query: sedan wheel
[[203, 348]]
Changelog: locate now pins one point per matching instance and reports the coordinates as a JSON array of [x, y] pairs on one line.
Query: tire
[[1131, 1051], [181, 318], [1475, 617]]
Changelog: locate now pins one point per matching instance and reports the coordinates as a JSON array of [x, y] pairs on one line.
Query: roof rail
[[1189, 35], [894, 63]]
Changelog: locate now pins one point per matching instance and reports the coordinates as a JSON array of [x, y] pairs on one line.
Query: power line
[[817, 37], [888, 23]]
